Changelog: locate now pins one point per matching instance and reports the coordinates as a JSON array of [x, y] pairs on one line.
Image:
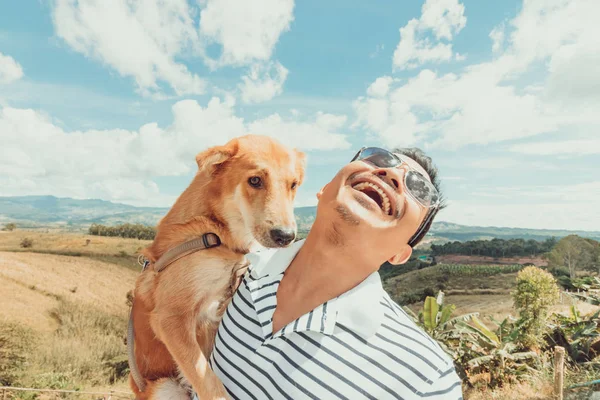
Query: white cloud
[[38, 156], [497, 36], [540, 207], [444, 19], [138, 38], [146, 39], [489, 102], [564, 147], [10, 70], [246, 30], [263, 82], [320, 134], [380, 87]]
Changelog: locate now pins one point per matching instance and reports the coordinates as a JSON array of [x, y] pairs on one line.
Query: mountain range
[[77, 215]]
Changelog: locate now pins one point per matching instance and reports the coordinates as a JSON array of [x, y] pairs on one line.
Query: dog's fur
[[176, 312]]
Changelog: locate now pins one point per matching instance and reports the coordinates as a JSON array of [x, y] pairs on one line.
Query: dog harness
[[206, 241]]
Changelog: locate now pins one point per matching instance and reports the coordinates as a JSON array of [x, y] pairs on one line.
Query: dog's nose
[[283, 236]]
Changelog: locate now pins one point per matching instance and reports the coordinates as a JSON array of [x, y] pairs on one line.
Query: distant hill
[[458, 232], [450, 231], [73, 214], [50, 211]]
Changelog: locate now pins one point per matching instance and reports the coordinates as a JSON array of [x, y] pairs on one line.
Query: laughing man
[[312, 321]]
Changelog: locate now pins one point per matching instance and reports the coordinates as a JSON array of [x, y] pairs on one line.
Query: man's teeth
[[386, 201]]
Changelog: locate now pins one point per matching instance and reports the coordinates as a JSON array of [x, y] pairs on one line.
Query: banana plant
[[579, 335], [436, 316], [494, 352]]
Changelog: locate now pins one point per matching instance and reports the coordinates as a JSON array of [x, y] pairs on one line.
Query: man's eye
[[255, 182]]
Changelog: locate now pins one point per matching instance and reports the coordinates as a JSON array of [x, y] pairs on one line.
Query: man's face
[[371, 206]]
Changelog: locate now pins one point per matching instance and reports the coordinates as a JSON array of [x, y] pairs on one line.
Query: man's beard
[[346, 215], [335, 236]]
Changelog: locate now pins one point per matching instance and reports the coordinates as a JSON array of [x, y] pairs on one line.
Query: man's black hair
[[424, 161]]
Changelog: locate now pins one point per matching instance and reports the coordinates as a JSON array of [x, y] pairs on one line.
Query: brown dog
[[244, 193]]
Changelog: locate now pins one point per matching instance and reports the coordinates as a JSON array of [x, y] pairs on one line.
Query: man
[[313, 322]]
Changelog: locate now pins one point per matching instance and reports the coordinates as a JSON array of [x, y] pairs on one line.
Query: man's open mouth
[[377, 194]]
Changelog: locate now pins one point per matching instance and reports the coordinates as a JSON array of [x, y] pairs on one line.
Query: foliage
[[413, 296], [536, 291], [474, 347], [134, 231], [575, 253], [495, 247], [480, 270], [579, 335], [11, 226], [583, 283], [26, 243], [502, 359]]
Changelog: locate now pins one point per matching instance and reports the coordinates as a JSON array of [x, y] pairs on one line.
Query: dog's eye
[[255, 181], [294, 185]]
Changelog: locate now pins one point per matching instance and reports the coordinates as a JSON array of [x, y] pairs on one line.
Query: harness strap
[[206, 241]]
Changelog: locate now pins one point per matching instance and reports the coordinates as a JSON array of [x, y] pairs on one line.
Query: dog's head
[[253, 183]]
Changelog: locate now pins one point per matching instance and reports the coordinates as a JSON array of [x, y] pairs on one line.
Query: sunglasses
[[417, 186]]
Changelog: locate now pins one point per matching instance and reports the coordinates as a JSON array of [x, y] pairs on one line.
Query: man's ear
[[211, 158], [402, 256], [320, 193]]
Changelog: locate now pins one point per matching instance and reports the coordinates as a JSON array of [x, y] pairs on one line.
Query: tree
[[536, 291], [572, 252]]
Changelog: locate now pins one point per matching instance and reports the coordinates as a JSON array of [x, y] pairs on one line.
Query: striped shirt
[[360, 345]]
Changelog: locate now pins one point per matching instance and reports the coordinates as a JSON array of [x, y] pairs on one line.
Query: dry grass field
[[109, 249], [63, 317]]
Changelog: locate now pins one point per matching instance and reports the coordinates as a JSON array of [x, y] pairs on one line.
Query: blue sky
[[112, 100]]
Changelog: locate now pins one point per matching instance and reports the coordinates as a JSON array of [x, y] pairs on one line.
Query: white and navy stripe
[[360, 345]]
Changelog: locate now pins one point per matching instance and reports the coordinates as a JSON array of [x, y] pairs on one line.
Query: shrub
[[559, 271], [536, 291], [10, 227], [26, 243], [414, 296], [135, 231]]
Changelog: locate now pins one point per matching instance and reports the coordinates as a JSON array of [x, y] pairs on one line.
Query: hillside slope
[[32, 284]]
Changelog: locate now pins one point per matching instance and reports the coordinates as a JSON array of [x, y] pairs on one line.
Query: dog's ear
[[210, 159], [300, 165]]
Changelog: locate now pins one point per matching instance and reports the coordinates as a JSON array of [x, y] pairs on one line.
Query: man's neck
[[322, 271]]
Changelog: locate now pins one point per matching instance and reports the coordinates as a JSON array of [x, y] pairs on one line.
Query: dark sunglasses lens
[[421, 189], [379, 157]]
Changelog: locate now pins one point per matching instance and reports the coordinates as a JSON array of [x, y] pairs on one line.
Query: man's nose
[[392, 176]]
